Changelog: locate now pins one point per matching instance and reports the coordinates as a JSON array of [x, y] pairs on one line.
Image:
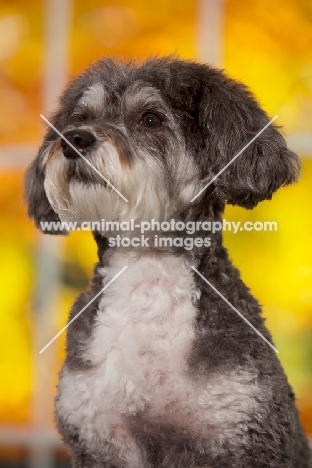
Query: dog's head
[[158, 133]]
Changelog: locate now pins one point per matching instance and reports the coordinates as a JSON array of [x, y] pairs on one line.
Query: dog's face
[[158, 133]]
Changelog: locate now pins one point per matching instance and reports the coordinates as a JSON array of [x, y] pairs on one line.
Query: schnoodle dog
[[160, 371]]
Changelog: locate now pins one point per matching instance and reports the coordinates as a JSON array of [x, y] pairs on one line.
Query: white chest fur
[[144, 329], [141, 340]]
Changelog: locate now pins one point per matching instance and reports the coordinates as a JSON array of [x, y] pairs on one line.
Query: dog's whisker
[[84, 158]]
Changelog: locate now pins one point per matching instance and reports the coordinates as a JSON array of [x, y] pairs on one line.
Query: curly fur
[[159, 372]]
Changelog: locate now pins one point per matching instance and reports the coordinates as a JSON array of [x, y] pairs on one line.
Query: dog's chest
[[144, 331], [142, 337]]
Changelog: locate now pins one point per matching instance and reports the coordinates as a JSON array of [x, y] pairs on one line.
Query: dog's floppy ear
[[231, 117], [39, 207]]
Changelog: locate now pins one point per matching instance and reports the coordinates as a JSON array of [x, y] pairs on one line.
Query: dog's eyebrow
[[141, 94], [93, 97]]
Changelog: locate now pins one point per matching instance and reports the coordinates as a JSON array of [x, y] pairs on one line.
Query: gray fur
[[207, 119]]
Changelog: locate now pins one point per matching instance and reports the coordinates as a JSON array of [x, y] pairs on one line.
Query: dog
[[159, 370]]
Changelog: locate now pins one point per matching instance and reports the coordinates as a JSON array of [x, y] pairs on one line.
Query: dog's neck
[[213, 213]]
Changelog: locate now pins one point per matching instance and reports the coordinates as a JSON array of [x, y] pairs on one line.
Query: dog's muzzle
[[80, 139]]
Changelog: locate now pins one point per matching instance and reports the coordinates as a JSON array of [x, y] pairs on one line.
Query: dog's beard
[[78, 193], [92, 199]]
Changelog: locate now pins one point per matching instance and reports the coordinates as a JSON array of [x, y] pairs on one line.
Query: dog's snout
[[81, 139]]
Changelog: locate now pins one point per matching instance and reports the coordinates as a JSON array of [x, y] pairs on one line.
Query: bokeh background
[[266, 44]]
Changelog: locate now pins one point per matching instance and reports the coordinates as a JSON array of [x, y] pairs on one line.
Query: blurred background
[[266, 44]]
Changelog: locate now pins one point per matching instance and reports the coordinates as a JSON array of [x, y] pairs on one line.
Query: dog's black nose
[[81, 139]]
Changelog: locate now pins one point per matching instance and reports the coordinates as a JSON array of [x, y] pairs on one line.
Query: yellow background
[[266, 44]]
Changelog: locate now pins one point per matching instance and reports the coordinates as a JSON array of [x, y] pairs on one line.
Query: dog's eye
[[150, 120]]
